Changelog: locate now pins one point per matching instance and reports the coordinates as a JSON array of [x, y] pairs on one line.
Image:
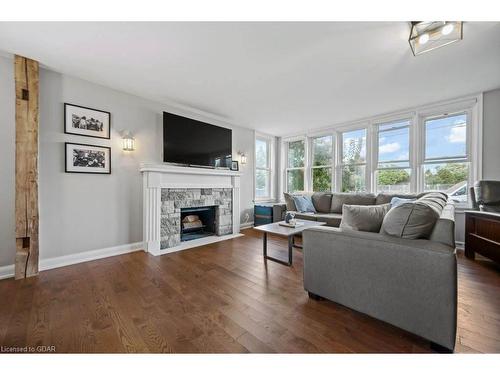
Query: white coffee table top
[[281, 230]]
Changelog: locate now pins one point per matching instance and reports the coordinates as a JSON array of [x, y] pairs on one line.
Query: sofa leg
[[315, 297], [440, 349]]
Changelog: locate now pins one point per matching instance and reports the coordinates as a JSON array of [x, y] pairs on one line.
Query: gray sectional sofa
[[396, 275], [329, 205]]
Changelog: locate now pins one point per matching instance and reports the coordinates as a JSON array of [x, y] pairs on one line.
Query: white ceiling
[[278, 78]]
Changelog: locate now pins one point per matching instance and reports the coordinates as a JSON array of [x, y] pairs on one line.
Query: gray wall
[[491, 149], [82, 212], [7, 165], [491, 135]]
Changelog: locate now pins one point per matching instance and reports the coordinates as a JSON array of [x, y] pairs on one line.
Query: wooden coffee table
[[280, 230]]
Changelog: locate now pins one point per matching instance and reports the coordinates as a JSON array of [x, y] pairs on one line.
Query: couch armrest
[[279, 211], [411, 284]]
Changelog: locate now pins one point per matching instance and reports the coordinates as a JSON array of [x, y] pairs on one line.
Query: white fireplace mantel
[[163, 176]]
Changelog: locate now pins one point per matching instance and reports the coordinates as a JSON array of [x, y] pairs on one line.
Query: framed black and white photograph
[[88, 122], [234, 165], [80, 158]]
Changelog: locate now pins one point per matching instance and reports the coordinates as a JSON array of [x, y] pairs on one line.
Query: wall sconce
[[128, 142], [243, 157]]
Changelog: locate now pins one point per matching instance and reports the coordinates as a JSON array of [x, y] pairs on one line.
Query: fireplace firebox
[[197, 222]]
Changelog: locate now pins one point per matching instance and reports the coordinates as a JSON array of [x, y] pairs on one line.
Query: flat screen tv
[[195, 143]]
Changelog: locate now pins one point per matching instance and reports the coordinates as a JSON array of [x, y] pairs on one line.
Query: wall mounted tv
[[195, 143]]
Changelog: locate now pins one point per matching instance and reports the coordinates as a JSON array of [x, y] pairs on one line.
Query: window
[[434, 147], [446, 159], [262, 168], [393, 157], [295, 166], [353, 167], [322, 163]]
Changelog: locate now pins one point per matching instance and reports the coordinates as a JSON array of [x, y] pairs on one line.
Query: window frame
[[375, 140], [311, 158], [469, 146], [471, 104], [304, 167], [269, 167], [340, 155]]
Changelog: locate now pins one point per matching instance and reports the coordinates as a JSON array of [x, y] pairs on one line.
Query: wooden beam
[[26, 79]]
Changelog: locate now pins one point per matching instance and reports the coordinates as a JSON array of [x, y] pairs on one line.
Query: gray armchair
[[485, 195]]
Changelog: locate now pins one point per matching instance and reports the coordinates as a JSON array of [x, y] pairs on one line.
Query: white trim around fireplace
[[164, 176]]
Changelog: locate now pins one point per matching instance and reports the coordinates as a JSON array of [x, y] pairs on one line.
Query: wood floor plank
[[220, 298]]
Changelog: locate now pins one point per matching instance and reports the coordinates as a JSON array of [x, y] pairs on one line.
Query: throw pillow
[[412, 220], [363, 218], [396, 201], [303, 203], [290, 204]]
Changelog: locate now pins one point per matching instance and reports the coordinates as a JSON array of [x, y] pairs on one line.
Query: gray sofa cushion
[[322, 202], [383, 198], [414, 220], [361, 199], [331, 220], [444, 230], [305, 216], [364, 218]]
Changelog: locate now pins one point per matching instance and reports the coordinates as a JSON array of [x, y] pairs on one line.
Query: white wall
[[82, 212]]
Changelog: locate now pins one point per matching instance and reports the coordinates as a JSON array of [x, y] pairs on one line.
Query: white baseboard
[[459, 245], [246, 225], [86, 256], [6, 271]]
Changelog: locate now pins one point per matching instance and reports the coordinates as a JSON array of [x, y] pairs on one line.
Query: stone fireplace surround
[[173, 200], [168, 188]]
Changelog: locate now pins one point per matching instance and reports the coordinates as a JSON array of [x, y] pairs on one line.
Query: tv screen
[[191, 142]]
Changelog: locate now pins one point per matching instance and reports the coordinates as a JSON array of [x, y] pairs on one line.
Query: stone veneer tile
[[172, 200]]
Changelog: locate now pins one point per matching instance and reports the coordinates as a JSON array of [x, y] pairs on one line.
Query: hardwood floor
[[218, 298]]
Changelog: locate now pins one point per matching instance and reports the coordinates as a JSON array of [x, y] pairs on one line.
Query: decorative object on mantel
[[128, 142], [429, 35], [234, 165], [87, 122], [81, 158], [243, 157]]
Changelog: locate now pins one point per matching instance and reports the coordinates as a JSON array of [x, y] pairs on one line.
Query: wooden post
[[26, 79]]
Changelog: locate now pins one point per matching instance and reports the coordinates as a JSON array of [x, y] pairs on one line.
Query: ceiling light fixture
[[429, 35], [446, 29], [424, 38]]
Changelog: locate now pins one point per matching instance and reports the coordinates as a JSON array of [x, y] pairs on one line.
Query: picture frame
[[234, 165], [86, 121], [84, 158]]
